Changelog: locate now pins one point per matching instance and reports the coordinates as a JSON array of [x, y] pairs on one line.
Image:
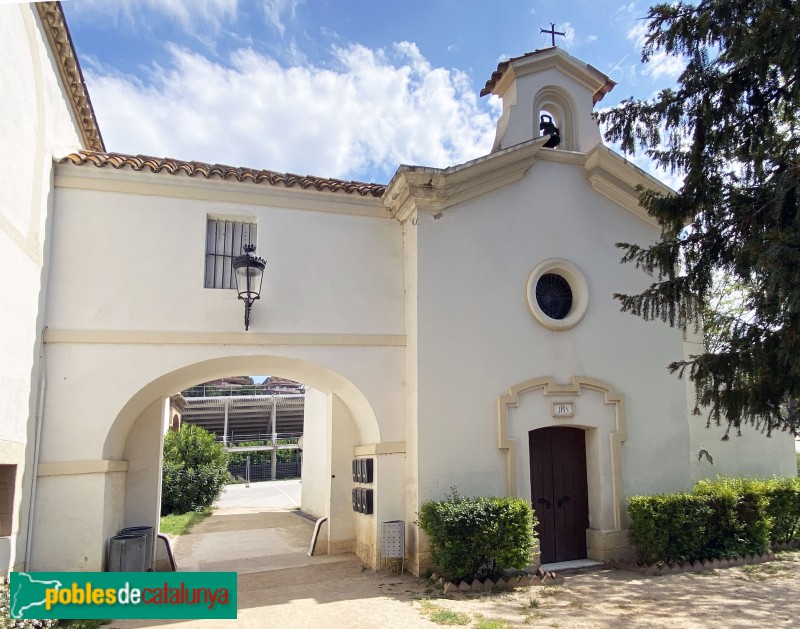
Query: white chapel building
[[455, 327]]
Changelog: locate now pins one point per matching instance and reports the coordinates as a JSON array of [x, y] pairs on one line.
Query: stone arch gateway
[[117, 477]]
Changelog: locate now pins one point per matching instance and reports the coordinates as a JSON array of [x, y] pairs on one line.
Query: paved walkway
[[279, 585], [279, 494]]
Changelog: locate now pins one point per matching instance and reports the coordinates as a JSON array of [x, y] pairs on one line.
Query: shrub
[[668, 527], [783, 497], [471, 537], [195, 470], [739, 523], [721, 518]]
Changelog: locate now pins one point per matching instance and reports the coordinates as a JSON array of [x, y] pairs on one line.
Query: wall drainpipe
[[36, 447]]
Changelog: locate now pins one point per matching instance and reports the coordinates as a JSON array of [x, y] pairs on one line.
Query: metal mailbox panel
[[393, 539]]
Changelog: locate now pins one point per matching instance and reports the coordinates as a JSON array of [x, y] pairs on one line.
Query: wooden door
[[558, 492]]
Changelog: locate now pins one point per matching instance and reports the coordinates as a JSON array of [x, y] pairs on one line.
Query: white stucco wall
[[331, 316], [751, 453], [87, 511], [316, 454], [411, 463], [477, 337], [36, 124], [326, 272], [143, 453]]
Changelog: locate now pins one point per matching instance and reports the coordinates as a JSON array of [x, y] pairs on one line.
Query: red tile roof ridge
[[502, 66], [140, 163]]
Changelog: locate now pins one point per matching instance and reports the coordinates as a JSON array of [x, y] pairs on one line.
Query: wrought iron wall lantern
[[248, 269]]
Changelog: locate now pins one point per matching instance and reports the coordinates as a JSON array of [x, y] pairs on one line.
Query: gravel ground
[[280, 586]]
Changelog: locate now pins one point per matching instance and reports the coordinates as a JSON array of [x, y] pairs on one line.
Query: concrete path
[[248, 541], [279, 494]]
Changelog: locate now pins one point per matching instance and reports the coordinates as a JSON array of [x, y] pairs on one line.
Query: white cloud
[[637, 32], [373, 111], [569, 37], [327, 32], [625, 9], [276, 10], [662, 65], [188, 13]]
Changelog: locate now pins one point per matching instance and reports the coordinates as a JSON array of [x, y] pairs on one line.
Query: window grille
[[554, 295], [224, 242]]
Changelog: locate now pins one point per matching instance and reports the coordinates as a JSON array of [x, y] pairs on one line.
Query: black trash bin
[[127, 553], [150, 534]]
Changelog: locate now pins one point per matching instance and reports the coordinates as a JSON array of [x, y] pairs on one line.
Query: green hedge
[[783, 496], [720, 518], [474, 537]]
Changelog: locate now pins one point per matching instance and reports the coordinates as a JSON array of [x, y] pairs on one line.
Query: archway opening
[[259, 421], [555, 105], [265, 427]]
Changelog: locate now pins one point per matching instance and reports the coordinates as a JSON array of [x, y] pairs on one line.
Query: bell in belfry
[[548, 128]]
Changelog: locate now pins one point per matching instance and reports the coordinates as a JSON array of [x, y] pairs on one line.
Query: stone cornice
[[178, 402], [55, 28], [418, 189], [616, 178]]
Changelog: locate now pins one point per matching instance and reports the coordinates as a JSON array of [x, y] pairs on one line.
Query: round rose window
[[558, 294]]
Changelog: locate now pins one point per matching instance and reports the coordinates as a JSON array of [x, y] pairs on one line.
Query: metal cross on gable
[[552, 32]]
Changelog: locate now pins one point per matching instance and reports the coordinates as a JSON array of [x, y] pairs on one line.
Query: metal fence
[[261, 439], [253, 467]]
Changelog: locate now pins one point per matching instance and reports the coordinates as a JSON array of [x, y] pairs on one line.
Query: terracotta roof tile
[[55, 27], [143, 163], [502, 67]]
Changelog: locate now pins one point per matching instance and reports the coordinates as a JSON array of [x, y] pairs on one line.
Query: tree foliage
[[194, 472], [731, 128]]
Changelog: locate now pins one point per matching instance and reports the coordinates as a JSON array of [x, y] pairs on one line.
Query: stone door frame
[[607, 536]]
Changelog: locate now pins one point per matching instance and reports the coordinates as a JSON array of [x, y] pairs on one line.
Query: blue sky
[[345, 88]]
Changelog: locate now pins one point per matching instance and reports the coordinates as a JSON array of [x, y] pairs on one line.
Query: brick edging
[[526, 580], [662, 568]]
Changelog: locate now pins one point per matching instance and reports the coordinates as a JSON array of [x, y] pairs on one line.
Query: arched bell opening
[[554, 114]]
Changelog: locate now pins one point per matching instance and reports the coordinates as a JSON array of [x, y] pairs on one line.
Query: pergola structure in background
[[250, 423]]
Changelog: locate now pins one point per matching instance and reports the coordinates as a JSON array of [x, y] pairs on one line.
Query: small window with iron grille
[[225, 240]]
